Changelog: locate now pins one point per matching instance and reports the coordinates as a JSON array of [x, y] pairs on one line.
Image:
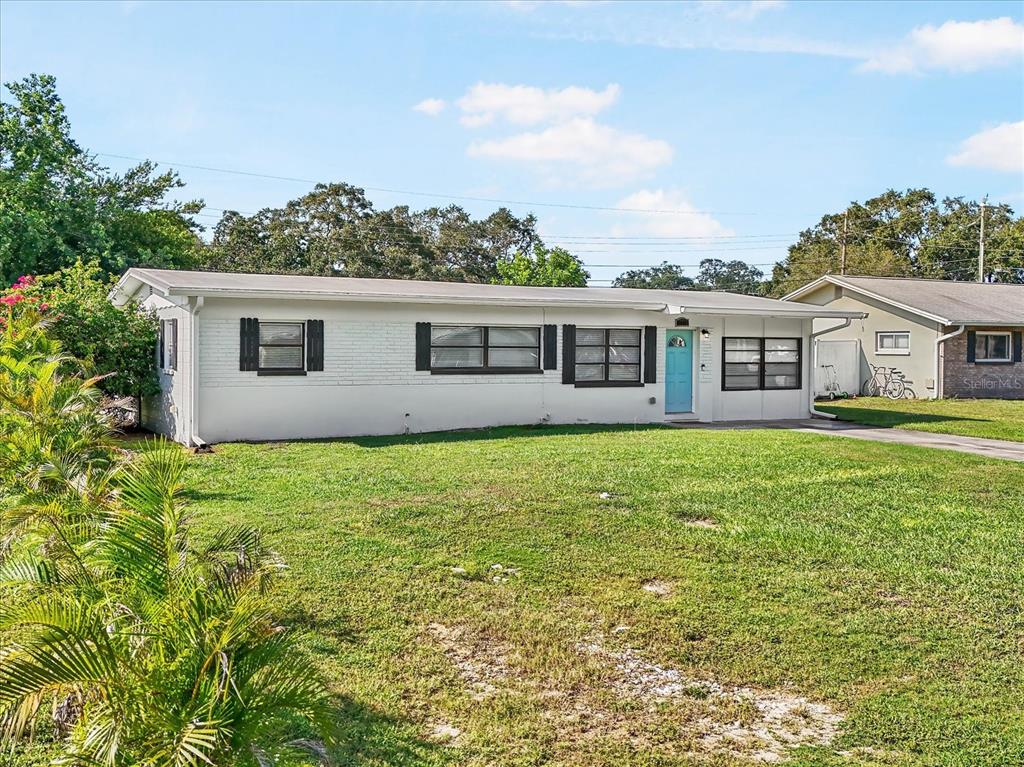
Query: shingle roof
[[185, 283], [946, 301]]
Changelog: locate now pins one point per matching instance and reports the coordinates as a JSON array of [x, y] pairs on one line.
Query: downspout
[[193, 376], [813, 338], [938, 346]]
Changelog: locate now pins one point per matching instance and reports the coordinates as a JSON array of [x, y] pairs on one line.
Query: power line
[[470, 198]]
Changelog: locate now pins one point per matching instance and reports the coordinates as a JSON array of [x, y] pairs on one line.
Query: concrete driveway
[[989, 448]]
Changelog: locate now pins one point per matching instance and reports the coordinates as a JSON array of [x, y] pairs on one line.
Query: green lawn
[[881, 581], [990, 418]]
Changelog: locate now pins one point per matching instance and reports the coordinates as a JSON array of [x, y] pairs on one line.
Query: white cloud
[[432, 107], [1000, 148], [956, 46], [527, 105], [743, 10], [581, 149], [683, 221]]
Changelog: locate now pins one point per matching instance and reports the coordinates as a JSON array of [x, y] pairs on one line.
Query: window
[[760, 363], [892, 342], [475, 349], [168, 344], [607, 356], [991, 347], [281, 346]]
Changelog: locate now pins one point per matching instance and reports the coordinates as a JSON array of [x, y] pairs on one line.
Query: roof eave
[[799, 315], [413, 298]]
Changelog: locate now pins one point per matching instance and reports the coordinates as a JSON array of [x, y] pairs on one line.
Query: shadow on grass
[[893, 418], [492, 433], [191, 495], [366, 736]]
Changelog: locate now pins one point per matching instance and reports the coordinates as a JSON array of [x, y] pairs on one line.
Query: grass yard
[[664, 597], [989, 418]]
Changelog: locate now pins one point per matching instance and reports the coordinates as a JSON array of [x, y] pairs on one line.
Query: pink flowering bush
[[118, 344]]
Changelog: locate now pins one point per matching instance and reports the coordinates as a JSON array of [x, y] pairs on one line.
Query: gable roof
[[169, 282], [947, 301]]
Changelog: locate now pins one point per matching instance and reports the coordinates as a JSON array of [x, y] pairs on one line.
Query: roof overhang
[[128, 286]]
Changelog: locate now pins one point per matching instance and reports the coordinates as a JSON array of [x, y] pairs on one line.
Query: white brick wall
[[356, 353], [168, 412], [369, 384]]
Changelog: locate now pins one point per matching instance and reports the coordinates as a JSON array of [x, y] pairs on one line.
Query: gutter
[[812, 338], [195, 306], [938, 346]]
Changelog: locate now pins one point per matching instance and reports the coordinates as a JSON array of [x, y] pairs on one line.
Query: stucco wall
[[961, 378], [918, 364], [369, 384]]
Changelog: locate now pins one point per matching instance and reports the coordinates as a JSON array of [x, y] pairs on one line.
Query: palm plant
[[162, 653], [150, 651]]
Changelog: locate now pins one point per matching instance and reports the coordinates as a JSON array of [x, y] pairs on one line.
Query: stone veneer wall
[[961, 378]]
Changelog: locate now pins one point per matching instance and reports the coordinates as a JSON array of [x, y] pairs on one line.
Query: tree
[[907, 233], [335, 231], [58, 205], [733, 276], [117, 344], [555, 267], [665, 277]]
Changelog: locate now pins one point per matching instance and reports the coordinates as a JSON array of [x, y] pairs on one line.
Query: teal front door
[[679, 371]]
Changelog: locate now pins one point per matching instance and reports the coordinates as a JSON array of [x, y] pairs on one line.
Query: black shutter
[[1017, 345], [650, 354], [551, 347], [423, 346], [172, 363], [970, 346], [161, 356], [314, 345], [568, 354], [249, 344]]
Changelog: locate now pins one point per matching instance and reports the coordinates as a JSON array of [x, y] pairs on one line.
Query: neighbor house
[[945, 338], [256, 357]]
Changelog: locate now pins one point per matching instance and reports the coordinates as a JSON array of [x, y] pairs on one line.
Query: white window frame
[[1009, 345], [894, 351]]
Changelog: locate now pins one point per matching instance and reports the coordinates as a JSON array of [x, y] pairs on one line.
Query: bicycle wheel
[[909, 393], [870, 388], [895, 389]]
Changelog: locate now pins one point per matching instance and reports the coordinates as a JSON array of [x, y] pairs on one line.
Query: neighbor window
[[168, 344], [991, 347], [607, 355], [760, 363], [484, 349], [892, 342], [281, 346]]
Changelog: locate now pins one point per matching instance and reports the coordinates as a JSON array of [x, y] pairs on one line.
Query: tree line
[[59, 206]]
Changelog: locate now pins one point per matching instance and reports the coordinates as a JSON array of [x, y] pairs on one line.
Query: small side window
[[892, 342], [168, 344]]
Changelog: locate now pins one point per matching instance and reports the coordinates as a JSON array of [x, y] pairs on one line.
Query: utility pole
[[981, 242], [842, 245]]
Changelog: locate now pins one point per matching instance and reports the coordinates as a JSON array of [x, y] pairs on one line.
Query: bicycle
[[887, 382]]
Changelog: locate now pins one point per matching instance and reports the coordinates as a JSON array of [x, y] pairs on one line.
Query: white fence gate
[[838, 368]]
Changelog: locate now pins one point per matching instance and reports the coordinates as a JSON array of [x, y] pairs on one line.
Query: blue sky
[[740, 122]]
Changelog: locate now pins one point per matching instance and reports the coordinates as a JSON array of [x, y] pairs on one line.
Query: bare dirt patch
[[657, 587], [760, 725], [707, 524], [480, 662]]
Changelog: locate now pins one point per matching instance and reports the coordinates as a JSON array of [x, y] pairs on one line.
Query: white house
[[256, 357], [942, 337]]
